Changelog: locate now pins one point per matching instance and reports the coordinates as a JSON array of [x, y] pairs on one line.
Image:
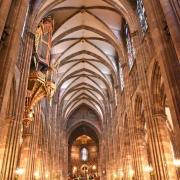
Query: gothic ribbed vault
[[86, 52]]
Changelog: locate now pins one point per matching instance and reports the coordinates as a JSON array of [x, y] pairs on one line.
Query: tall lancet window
[[84, 154], [130, 48], [142, 16], [121, 76]]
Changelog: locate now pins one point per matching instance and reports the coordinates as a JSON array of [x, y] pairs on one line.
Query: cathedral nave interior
[[89, 90]]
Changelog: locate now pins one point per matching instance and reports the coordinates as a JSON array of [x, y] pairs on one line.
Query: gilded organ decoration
[[40, 83], [38, 88], [43, 40]]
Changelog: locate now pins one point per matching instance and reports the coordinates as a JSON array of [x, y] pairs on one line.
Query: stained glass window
[[25, 22], [130, 48], [84, 154], [121, 76], [142, 16]]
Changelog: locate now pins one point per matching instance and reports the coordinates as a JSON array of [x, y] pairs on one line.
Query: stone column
[[6, 129], [103, 158], [9, 51], [4, 10], [163, 148], [64, 156], [166, 57], [156, 126], [11, 132], [171, 11], [25, 152], [8, 59], [141, 149]]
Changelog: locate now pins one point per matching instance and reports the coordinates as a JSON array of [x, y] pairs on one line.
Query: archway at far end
[[83, 136], [83, 153]]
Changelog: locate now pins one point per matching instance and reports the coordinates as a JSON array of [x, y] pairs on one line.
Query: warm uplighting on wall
[[20, 171], [131, 172], [37, 174], [30, 114], [148, 168], [104, 172], [120, 173], [114, 175], [177, 162], [46, 175], [74, 169]]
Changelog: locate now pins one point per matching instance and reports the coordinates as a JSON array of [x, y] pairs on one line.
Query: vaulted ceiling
[[86, 53]]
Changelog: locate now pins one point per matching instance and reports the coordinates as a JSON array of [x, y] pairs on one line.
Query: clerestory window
[[142, 16], [130, 48]]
